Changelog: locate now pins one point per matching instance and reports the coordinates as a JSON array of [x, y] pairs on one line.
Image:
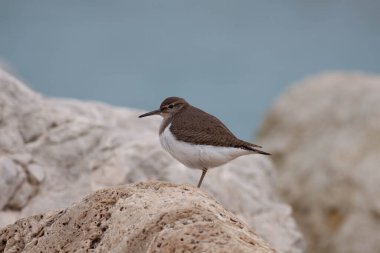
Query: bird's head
[[168, 107]]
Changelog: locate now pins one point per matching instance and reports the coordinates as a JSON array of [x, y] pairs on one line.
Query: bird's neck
[[165, 122]]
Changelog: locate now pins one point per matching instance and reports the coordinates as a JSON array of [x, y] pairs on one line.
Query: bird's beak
[[155, 112]]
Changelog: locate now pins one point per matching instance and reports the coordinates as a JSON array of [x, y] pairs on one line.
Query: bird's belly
[[198, 156]]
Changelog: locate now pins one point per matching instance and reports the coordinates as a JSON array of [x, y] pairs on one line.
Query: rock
[[69, 148], [324, 135], [37, 173], [12, 177], [145, 217]]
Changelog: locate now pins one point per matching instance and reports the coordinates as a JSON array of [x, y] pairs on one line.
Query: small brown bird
[[197, 139]]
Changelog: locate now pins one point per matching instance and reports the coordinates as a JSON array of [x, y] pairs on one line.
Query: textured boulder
[[325, 137], [53, 152], [147, 217]]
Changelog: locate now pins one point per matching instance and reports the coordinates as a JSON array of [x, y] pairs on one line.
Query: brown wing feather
[[196, 126]]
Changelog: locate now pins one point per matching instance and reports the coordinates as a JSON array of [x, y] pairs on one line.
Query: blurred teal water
[[230, 58]]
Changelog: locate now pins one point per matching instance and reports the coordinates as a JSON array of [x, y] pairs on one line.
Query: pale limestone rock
[[69, 148], [142, 218], [37, 173], [12, 177], [325, 138]]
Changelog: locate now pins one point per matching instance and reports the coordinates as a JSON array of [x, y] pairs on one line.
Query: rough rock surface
[[143, 218], [54, 151], [325, 137]]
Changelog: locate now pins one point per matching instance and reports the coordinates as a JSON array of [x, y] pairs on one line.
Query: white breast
[[198, 156]]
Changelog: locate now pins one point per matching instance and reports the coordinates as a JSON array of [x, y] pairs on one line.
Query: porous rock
[[324, 134], [141, 218], [64, 149]]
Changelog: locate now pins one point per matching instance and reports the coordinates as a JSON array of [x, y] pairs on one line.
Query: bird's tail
[[253, 148], [262, 152]]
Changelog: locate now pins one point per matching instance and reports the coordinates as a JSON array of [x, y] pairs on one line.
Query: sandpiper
[[197, 139]]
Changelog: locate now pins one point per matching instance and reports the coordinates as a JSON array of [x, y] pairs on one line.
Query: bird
[[197, 139]]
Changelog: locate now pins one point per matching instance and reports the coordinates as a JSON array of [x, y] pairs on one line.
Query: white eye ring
[[170, 106]]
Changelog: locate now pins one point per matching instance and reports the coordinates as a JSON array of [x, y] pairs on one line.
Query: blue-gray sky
[[230, 58]]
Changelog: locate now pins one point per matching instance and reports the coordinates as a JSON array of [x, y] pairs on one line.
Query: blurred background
[[230, 58], [234, 59]]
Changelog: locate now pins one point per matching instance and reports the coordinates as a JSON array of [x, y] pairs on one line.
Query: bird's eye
[[171, 106]]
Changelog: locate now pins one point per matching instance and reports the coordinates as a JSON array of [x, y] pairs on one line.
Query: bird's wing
[[199, 127]]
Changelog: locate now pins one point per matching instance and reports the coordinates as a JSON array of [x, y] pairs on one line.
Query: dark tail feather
[[257, 151], [262, 152], [256, 146]]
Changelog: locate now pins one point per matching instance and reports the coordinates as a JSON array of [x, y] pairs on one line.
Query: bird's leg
[[204, 170]]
